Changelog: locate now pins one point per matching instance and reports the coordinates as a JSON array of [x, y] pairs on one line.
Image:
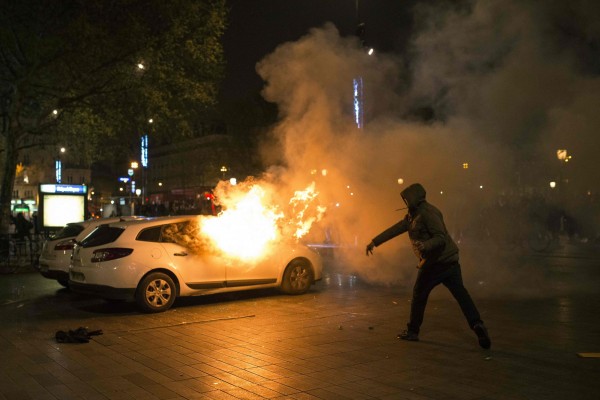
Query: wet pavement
[[335, 342]]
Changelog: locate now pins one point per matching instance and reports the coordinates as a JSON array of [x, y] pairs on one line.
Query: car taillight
[[110, 254], [65, 245]]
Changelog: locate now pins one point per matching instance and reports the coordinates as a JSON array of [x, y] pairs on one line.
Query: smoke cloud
[[498, 85]]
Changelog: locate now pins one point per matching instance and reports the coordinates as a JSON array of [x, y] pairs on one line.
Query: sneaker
[[408, 335], [482, 335]]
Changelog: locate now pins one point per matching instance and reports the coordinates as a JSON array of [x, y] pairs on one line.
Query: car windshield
[[71, 230], [102, 235]]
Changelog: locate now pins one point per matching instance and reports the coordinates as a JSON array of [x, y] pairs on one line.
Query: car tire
[[64, 282], [297, 278], [156, 293]]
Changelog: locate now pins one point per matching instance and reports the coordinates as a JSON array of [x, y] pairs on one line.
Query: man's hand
[[370, 248], [419, 246]]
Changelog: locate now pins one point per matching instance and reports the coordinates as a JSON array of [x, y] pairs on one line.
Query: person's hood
[[413, 195]]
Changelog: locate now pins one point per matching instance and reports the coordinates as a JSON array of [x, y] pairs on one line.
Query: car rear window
[[70, 230], [150, 234], [103, 234]]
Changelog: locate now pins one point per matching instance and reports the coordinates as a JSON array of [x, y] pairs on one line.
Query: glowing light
[[358, 102], [233, 181], [324, 172], [371, 51], [58, 170], [400, 181], [144, 151], [552, 184]]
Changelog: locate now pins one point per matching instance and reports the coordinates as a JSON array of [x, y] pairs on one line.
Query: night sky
[[257, 27]]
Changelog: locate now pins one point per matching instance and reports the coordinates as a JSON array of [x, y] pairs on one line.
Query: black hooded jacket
[[425, 224]]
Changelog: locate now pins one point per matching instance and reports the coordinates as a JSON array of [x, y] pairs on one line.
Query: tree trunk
[[9, 167]]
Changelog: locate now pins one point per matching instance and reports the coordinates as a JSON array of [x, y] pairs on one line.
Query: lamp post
[[131, 172]]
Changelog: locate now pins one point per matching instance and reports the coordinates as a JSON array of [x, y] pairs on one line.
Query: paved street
[[336, 342]]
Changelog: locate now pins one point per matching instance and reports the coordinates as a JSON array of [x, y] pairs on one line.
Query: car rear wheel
[[156, 293], [297, 278]]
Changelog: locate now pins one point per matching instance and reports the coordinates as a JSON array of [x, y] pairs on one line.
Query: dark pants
[[428, 278]]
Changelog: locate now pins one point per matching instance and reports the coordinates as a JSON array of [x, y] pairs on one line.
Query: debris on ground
[[79, 335]]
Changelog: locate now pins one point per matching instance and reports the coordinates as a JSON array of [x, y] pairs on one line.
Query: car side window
[[150, 234], [185, 234]]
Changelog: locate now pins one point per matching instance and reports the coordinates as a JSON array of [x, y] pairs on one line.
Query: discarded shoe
[[482, 335], [408, 335]]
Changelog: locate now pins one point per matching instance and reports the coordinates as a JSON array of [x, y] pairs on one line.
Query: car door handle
[[182, 254]]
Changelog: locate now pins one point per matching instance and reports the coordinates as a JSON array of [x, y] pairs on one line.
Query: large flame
[[251, 221]]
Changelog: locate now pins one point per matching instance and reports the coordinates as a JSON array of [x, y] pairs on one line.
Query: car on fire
[[145, 262], [55, 256]]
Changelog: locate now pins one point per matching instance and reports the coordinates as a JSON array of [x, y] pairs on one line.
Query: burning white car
[[156, 260]]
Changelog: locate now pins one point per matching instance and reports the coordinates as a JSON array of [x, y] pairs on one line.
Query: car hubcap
[[158, 293], [299, 278]]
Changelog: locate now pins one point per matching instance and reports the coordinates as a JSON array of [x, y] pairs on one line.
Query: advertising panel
[[61, 204]]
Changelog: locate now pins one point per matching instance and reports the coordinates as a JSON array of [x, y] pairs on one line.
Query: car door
[[198, 269], [260, 272]]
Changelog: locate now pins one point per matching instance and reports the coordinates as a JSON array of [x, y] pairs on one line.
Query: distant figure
[[34, 220], [23, 227], [438, 262]]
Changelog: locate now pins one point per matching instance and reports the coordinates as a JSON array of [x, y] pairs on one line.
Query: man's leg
[[454, 283], [423, 287]]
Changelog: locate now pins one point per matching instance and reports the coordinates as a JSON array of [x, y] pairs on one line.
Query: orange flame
[[250, 221]]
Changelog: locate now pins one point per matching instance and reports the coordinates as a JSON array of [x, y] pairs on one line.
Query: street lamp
[[223, 170]]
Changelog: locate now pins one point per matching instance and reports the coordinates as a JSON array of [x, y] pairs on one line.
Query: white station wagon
[[140, 260], [56, 251]]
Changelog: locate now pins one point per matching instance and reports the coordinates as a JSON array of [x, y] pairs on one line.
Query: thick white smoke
[[504, 85]]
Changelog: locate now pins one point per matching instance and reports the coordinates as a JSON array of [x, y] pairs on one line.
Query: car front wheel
[[297, 278], [156, 293]]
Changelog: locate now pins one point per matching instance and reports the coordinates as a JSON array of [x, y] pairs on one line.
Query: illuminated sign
[[61, 204], [358, 102], [65, 189], [144, 151], [58, 168]]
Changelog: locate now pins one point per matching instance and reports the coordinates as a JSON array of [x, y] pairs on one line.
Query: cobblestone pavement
[[336, 342]]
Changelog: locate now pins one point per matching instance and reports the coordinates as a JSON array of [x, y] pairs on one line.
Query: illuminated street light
[[552, 184], [141, 66]]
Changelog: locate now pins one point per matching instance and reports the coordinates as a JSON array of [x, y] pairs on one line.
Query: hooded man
[[438, 262]]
